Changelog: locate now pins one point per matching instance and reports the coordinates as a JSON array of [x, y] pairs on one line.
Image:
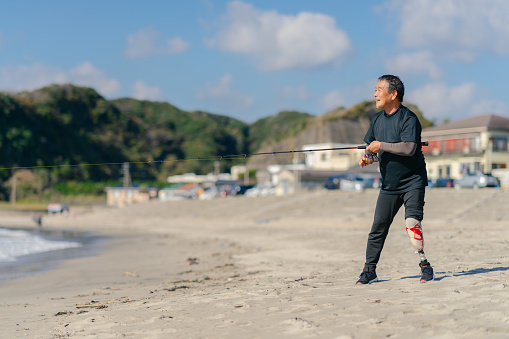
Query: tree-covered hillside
[[65, 128], [170, 134], [276, 128]]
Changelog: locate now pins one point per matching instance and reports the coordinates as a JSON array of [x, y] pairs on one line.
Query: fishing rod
[[217, 157], [245, 155], [425, 143]]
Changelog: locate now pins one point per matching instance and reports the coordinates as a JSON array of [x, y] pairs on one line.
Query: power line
[[216, 157]]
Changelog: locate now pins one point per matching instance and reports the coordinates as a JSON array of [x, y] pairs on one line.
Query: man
[[394, 135]]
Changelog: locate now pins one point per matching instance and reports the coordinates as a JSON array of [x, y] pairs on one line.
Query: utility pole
[[126, 175], [246, 176], [489, 164], [13, 191], [126, 179], [217, 168]]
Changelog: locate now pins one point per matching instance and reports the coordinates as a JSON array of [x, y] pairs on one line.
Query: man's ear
[[394, 94]]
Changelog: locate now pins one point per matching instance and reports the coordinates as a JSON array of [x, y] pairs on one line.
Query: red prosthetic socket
[[414, 230]]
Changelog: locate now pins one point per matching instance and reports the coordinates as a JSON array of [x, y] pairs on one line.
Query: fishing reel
[[370, 158]]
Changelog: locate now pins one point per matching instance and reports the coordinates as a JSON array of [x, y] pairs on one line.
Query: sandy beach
[[271, 267]]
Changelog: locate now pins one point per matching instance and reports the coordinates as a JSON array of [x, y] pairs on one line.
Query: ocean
[[30, 251]]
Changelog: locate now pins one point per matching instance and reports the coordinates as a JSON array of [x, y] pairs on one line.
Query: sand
[[271, 267]]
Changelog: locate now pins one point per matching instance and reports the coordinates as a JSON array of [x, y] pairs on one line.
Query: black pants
[[387, 206]]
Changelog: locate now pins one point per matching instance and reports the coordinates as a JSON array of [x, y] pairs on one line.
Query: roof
[[134, 186], [486, 121]]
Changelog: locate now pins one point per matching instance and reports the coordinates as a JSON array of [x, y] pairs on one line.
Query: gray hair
[[394, 83]]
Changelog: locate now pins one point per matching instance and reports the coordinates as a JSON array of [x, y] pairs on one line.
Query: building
[[180, 192], [122, 196], [337, 160], [317, 166], [474, 144]]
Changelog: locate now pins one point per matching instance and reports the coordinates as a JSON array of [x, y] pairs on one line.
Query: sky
[[252, 59]]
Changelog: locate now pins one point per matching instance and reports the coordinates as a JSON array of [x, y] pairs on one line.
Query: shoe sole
[[424, 281], [369, 282]]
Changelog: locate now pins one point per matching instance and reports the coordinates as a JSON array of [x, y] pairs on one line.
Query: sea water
[[27, 251], [16, 243]]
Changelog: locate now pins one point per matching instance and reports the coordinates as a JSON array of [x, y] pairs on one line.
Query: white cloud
[[87, 75], [31, 77], [297, 93], [333, 99], [460, 27], [144, 43], [142, 91], [282, 41], [490, 107], [223, 97], [348, 96], [438, 101], [414, 64]]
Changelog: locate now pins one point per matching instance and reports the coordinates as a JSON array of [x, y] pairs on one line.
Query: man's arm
[[399, 148]]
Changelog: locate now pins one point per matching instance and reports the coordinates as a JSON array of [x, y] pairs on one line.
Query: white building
[[320, 162], [192, 178], [339, 160]]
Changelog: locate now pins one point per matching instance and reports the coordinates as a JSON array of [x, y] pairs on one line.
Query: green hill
[[168, 133], [276, 128], [61, 128]]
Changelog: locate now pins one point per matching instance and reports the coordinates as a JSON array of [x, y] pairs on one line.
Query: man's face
[[383, 98]]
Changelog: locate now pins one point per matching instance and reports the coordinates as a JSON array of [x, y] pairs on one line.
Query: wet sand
[[272, 267]]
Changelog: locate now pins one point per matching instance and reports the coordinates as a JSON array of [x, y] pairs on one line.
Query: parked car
[[240, 189], [210, 193], [58, 208], [332, 183], [476, 180], [261, 190], [441, 182], [372, 182], [351, 183]]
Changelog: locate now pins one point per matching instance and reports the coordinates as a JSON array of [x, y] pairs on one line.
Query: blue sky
[[252, 59]]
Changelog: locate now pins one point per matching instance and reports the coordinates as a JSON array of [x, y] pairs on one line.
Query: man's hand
[[374, 147], [362, 161]]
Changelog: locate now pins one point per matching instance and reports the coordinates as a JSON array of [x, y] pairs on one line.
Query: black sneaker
[[426, 271], [367, 277]]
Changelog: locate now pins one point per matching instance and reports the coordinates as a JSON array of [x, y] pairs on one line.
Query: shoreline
[[273, 267], [37, 263]]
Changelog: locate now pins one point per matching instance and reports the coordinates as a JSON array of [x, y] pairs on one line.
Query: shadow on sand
[[462, 273]]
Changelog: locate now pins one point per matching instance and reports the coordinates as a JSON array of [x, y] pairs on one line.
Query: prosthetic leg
[[414, 230]]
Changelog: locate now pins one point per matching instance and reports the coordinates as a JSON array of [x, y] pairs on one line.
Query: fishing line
[[239, 156]]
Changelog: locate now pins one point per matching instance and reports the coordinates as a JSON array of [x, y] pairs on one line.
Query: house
[[318, 166], [338, 160], [474, 144], [180, 192], [122, 196]]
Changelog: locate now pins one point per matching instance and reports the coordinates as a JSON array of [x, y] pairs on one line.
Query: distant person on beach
[[37, 218], [394, 139]]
